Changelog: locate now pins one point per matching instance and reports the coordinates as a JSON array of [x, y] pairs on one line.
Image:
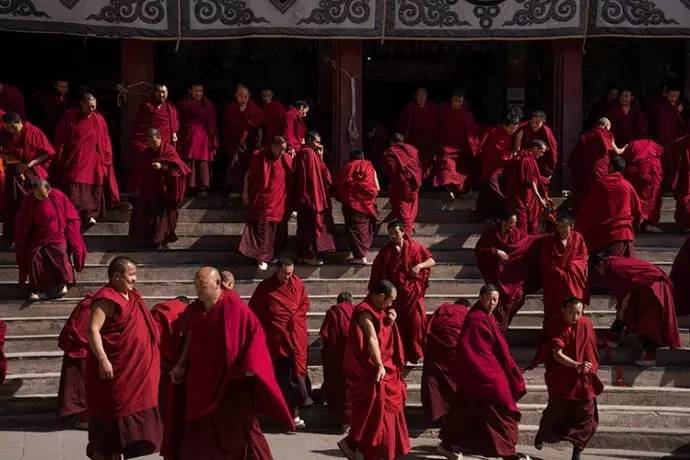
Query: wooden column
[[567, 97], [347, 61]]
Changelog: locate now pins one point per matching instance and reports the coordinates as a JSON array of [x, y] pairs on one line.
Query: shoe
[[202, 194], [91, 221], [647, 359], [649, 228], [312, 262], [34, 297], [62, 290], [451, 454], [263, 266], [300, 423], [347, 450], [345, 429], [293, 214], [538, 445]]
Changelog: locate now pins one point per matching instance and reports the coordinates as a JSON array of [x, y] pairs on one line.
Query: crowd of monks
[[189, 378]]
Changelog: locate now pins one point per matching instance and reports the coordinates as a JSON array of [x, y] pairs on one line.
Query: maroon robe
[[334, 336], [3, 359], [484, 416], [519, 174], [644, 171], [269, 180], [395, 266], [357, 189], [313, 189], [85, 162], [402, 166], [241, 139], [123, 413], [419, 125], [547, 162], [377, 409], [294, 129], [682, 189], [666, 126], [495, 149], [30, 144], [274, 119], [198, 138], [12, 100], [680, 274], [516, 278], [627, 127], [438, 375], [48, 244], [458, 145], [155, 213], [589, 161]]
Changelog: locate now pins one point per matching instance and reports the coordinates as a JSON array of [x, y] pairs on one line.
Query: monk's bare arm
[[99, 313], [180, 369], [376, 181], [561, 358], [618, 150], [428, 263], [535, 189], [39, 160], [366, 323]]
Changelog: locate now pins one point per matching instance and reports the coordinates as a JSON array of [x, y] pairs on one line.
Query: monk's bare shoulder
[[107, 306], [365, 319]]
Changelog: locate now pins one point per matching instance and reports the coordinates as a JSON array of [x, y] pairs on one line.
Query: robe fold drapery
[[198, 138], [650, 313], [458, 145], [357, 188], [74, 341], [515, 278], [395, 266], [404, 170], [294, 129], [85, 163], [274, 120], [666, 126], [484, 416], [519, 174], [438, 375], [269, 180], [334, 335], [23, 148], [229, 381], [547, 162], [588, 162], [48, 242], [313, 190], [123, 411], [627, 127], [680, 274], [644, 171], [419, 125], [241, 137], [377, 409], [495, 149], [682, 186], [161, 191], [282, 310]]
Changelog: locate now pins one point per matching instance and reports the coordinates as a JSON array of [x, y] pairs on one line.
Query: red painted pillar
[[137, 65], [347, 117], [567, 97]]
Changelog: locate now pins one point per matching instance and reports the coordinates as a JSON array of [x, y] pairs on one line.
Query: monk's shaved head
[[153, 133], [11, 118], [41, 189], [604, 123], [208, 286], [227, 279], [88, 97], [209, 273], [41, 184], [397, 138], [119, 266]]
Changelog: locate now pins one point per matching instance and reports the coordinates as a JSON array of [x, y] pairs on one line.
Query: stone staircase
[[641, 409]]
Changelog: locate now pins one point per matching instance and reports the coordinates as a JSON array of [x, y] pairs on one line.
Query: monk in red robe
[[162, 187], [682, 189], [571, 381], [167, 318], [375, 387], [334, 332], [438, 375], [376, 142], [227, 280], [3, 359], [224, 378], [419, 125], [645, 304], [52, 105], [680, 274], [407, 264], [357, 187], [158, 113], [507, 257], [404, 170], [281, 303], [74, 341], [294, 127], [522, 184], [602, 105], [12, 99], [313, 191], [266, 196], [26, 153], [484, 417], [48, 244], [85, 160], [628, 121], [496, 148], [198, 137], [458, 142], [644, 171], [274, 115], [122, 370], [536, 129], [610, 214], [666, 126]]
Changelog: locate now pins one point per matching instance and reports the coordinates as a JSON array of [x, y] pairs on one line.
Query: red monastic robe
[[519, 174], [644, 171], [395, 266], [294, 129], [682, 189], [627, 127], [666, 126], [484, 416], [274, 119], [419, 125], [357, 189], [377, 426], [3, 359], [241, 136], [611, 213], [12, 100], [377, 144], [334, 336], [547, 162], [48, 242], [198, 137], [404, 170], [589, 161], [167, 317], [495, 149], [438, 376], [53, 107], [458, 145], [651, 312], [680, 274]]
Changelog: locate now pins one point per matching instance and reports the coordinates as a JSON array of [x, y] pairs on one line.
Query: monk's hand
[[105, 369], [380, 373], [680, 107], [174, 137], [21, 168], [414, 271], [584, 367], [502, 255], [392, 315], [156, 165], [177, 374]]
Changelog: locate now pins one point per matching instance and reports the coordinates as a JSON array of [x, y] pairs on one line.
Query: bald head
[[207, 285], [227, 279], [604, 123]]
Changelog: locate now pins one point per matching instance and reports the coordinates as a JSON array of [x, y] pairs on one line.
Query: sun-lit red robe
[[395, 266], [547, 162], [495, 149], [589, 161], [198, 138], [438, 375], [682, 189], [274, 119], [294, 129], [484, 416], [377, 410], [627, 127], [458, 144], [334, 333], [520, 172], [357, 189], [419, 125], [680, 274], [85, 162], [12, 100], [48, 244], [644, 171], [404, 170], [666, 126], [241, 136]]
